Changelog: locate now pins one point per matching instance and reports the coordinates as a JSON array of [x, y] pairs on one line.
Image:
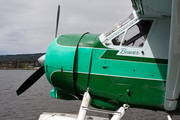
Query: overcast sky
[[28, 26]]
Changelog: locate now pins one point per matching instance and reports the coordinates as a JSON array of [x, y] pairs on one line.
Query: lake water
[[37, 100]]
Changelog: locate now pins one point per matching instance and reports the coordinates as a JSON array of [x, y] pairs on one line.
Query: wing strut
[[173, 75]]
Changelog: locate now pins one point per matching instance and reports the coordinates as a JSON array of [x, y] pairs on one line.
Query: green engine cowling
[[66, 58]]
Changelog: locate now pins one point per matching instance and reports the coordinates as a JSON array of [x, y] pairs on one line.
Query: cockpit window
[[117, 40], [131, 31], [136, 35], [119, 24]]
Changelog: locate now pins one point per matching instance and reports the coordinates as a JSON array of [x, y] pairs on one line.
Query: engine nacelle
[[67, 63]]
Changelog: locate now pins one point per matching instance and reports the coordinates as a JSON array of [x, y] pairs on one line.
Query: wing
[[152, 7]]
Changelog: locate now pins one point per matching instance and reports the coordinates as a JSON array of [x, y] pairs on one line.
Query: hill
[[20, 60]]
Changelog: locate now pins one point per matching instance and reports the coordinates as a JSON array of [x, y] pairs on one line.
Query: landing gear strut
[[117, 115]]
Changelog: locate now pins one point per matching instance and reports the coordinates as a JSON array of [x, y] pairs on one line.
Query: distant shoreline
[[35, 68], [20, 61]]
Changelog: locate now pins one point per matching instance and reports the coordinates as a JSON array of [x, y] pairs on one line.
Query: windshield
[[119, 24]]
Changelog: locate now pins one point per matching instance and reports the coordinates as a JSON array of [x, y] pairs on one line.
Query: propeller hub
[[41, 59]]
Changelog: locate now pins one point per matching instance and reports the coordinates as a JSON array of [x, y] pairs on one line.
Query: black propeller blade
[[35, 76], [57, 22], [31, 80]]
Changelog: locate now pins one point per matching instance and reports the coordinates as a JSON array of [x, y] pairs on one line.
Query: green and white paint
[[115, 74]]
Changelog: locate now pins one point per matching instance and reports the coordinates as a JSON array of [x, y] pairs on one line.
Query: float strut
[[84, 103], [121, 112], [170, 117]]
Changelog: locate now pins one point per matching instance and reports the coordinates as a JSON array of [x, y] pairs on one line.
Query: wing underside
[[159, 8]]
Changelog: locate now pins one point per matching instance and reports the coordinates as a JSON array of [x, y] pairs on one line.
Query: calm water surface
[[37, 99]]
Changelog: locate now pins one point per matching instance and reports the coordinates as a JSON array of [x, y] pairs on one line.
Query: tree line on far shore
[[21, 61]]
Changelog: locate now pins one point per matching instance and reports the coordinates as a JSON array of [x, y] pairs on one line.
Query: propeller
[[31, 80], [36, 75], [57, 22]]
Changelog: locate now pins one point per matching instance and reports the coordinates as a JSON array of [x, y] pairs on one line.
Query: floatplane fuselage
[[136, 62], [115, 72]]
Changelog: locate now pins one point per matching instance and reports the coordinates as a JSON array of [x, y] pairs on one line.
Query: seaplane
[[135, 63]]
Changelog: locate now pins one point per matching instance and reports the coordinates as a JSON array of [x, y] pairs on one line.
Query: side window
[[136, 35]]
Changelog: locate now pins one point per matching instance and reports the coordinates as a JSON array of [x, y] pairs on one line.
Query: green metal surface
[[82, 65], [143, 93], [69, 40], [88, 40], [59, 94], [60, 58], [63, 58], [113, 80]]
